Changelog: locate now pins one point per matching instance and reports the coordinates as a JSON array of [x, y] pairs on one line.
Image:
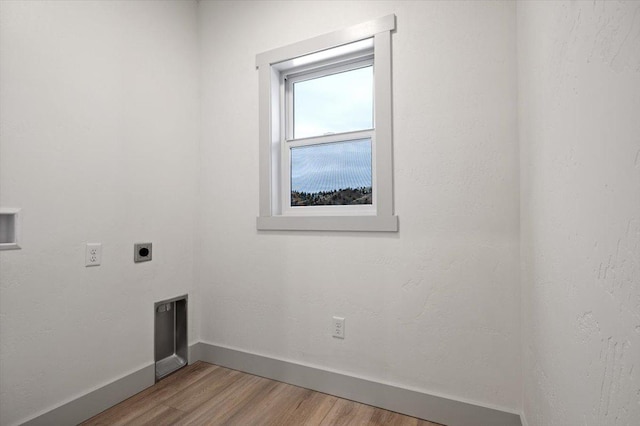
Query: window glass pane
[[331, 174], [335, 103]]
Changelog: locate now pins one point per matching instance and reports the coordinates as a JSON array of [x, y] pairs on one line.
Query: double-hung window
[[325, 132]]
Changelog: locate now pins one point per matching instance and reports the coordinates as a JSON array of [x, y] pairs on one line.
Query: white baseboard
[[438, 409], [92, 403], [447, 411]]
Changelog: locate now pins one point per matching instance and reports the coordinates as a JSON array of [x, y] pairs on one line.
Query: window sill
[[328, 223]]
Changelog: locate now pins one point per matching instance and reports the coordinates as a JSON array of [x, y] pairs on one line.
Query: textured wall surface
[[434, 307], [579, 117], [99, 142]]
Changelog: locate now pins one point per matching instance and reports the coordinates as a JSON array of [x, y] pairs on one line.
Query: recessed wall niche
[[9, 228]]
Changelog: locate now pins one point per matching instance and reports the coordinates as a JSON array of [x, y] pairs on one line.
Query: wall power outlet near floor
[[93, 254], [338, 327]]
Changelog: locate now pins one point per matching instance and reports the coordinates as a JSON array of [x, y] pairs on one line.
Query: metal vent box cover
[[171, 350]]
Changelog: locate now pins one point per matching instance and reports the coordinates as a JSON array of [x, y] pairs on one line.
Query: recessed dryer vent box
[[171, 351], [9, 228]]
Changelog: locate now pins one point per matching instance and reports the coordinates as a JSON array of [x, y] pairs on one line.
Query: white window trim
[[288, 79], [272, 120]]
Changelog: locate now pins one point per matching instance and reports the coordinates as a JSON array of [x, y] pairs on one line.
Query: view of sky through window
[[331, 174], [336, 103]]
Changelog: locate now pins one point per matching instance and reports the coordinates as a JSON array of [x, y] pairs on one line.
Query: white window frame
[[278, 70], [288, 79]]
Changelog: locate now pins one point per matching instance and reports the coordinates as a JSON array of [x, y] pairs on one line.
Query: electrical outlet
[[338, 327], [142, 252], [93, 254]]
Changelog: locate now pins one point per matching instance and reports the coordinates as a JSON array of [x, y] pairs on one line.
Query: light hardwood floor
[[205, 394]]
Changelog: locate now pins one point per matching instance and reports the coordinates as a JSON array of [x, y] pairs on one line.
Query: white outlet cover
[[338, 327], [93, 254]]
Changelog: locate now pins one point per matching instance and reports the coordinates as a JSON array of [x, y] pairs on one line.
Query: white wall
[[111, 90], [579, 109], [434, 307], [99, 143]]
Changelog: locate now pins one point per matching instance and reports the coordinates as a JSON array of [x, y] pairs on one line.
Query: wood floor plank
[[224, 404], [159, 415], [346, 412], [309, 410], [384, 417], [129, 409], [203, 390], [285, 404], [260, 406], [205, 394]]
